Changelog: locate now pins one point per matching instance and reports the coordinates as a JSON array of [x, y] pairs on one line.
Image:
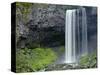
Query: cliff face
[[43, 25]]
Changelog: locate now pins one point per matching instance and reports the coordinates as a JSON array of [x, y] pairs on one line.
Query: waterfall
[[76, 35], [84, 32]]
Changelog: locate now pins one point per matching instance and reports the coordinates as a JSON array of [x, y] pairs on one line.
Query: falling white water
[[76, 35], [84, 32], [70, 39]]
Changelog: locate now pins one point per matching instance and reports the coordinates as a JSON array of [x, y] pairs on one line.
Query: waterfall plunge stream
[[76, 35]]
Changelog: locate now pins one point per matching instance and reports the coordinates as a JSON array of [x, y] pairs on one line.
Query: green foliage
[[23, 9], [34, 59], [88, 61], [84, 61], [93, 60], [26, 5]]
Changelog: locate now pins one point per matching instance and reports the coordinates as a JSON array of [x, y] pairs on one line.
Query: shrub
[[89, 61], [34, 59]]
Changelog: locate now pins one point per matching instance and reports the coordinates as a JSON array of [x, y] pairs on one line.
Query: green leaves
[[84, 61], [89, 61], [23, 9], [34, 59]]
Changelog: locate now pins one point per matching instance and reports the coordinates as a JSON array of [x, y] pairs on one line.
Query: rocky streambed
[[62, 67]]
